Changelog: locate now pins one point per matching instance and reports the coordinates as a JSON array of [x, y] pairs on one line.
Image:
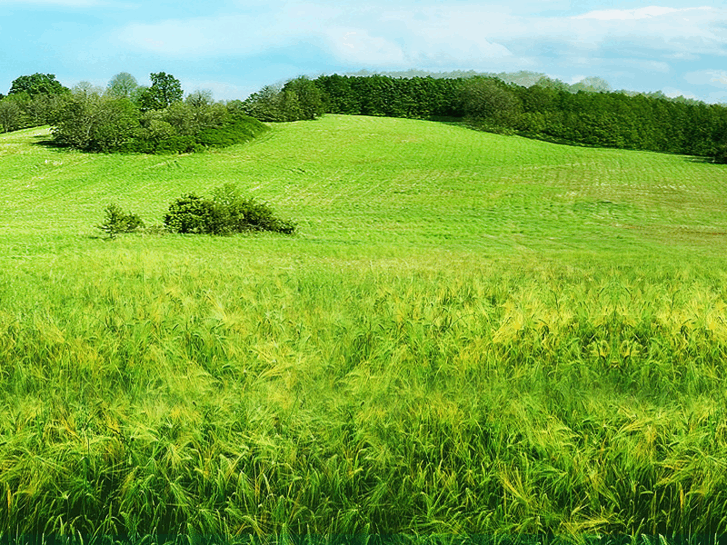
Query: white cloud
[[715, 78], [717, 97], [358, 46], [239, 34], [684, 32], [455, 36], [628, 14], [464, 34], [671, 92], [358, 36]]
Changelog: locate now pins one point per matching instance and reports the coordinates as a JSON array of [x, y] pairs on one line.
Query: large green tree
[[165, 90], [37, 84], [303, 99], [490, 101]]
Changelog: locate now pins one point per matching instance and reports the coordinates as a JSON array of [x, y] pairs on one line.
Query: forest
[[128, 117], [547, 109]]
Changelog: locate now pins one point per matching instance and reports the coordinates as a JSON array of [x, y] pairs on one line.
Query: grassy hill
[[471, 334]]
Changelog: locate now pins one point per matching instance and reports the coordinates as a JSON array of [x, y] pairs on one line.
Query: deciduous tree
[[12, 116], [122, 85], [165, 90], [37, 84]]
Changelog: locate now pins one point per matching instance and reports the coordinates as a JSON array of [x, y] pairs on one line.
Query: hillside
[[470, 334], [392, 182]]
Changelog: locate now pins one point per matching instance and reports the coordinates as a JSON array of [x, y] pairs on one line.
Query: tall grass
[[427, 381]]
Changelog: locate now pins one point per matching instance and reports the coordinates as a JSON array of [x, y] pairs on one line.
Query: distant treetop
[[122, 85], [37, 84], [165, 90]]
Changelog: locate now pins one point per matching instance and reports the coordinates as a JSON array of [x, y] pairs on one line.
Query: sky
[[234, 47]]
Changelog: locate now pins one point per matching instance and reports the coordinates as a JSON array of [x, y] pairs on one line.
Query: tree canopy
[[165, 90], [122, 85], [37, 84]]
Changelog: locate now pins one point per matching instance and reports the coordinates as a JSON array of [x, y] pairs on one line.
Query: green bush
[[225, 213], [117, 221], [237, 129], [192, 214], [176, 144]]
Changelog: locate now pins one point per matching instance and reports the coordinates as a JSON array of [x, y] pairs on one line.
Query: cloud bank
[[458, 35]]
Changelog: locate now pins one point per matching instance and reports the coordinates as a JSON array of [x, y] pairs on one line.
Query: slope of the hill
[[391, 182], [471, 334]]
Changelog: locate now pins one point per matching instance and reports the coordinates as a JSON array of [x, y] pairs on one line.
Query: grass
[[471, 335]]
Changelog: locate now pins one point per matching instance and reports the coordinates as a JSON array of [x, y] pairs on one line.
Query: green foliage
[[418, 97], [193, 214], [94, 123], [299, 99], [226, 212], [235, 129], [37, 84], [22, 110], [303, 99], [12, 115], [240, 214], [123, 85], [490, 102], [165, 90], [111, 122], [200, 99], [720, 156], [265, 105], [117, 221]]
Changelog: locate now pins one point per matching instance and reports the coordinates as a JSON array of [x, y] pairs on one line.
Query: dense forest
[[128, 117], [548, 109]]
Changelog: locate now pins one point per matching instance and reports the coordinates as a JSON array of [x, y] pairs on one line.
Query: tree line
[[587, 113], [125, 116]]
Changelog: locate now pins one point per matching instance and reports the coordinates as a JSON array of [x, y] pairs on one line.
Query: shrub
[[226, 212], [240, 214], [117, 221], [192, 214], [237, 129]]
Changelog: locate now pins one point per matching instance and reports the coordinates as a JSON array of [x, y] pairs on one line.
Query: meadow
[[471, 336]]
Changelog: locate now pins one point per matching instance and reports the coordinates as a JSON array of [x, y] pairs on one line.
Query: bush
[[117, 221], [192, 214], [240, 214], [226, 212]]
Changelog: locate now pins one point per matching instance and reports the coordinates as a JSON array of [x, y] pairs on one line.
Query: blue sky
[[234, 47]]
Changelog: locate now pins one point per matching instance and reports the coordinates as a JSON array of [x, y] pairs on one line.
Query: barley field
[[471, 338]]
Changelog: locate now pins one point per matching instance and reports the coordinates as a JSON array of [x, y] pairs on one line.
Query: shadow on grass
[[46, 141]]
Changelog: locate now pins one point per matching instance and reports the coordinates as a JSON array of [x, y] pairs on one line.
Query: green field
[[470, 334]]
